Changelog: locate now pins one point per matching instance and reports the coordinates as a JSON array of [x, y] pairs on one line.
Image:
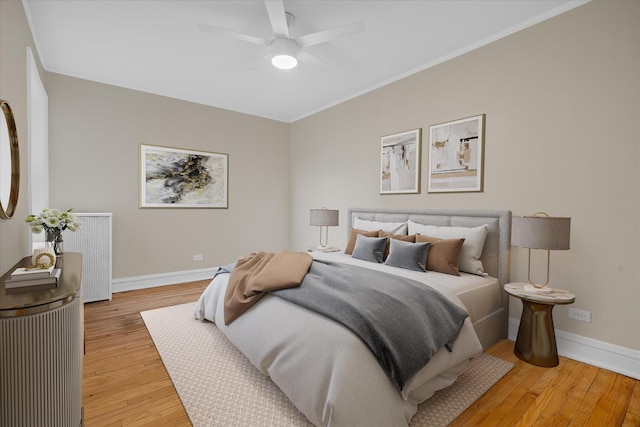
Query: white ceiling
[[155, 46]]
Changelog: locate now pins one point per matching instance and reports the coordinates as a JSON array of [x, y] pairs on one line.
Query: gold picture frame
[[180, 178], [456, 156], [400, 162]]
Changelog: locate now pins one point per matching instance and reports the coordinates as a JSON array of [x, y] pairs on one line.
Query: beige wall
[[95, 133], [562, 101], [15, 37]]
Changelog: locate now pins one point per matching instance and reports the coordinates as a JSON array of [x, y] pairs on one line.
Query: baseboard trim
[[163, 279], [602, 354]]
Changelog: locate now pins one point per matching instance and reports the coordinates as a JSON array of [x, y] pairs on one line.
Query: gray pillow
[[369, 248], [412, 256]]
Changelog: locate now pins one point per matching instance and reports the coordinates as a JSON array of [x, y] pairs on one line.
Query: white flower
[[67, 217], [53, 220], [74, 227]]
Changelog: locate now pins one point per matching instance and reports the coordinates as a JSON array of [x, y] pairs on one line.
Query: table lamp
[[324, 218], [540, 231]]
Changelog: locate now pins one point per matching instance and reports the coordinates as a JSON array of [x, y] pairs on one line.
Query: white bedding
[[326, 371]]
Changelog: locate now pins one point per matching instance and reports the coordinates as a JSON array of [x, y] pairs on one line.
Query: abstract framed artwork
[[178, 178], [400, 162], [456, 156]]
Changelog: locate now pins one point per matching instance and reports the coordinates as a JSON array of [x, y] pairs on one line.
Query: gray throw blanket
[[402, 321]]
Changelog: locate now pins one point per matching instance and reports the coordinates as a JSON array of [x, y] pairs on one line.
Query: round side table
[[536, 341]]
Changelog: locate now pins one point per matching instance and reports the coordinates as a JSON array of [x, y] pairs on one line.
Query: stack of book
[[25, 277]]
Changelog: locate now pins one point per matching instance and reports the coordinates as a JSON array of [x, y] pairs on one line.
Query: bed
[[328, 372]]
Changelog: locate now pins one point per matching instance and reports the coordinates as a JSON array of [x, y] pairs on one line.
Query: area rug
[[218, 386]]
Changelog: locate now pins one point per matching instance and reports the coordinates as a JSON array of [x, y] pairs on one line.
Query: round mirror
[[9, 163]]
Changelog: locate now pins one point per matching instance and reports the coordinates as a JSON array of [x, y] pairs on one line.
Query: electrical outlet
[[198, 257], [581, 315]]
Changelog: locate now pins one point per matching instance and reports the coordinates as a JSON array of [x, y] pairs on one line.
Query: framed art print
[[456, 156], [400, 162], [178, 178]]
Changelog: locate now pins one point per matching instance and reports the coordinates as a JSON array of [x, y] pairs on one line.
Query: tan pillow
[[352, 239], [444, 254], [403, 237]]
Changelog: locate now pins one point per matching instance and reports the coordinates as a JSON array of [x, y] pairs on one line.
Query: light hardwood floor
[[126, 384]]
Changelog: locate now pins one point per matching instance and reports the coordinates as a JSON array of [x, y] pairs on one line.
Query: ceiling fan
[[285, 51]]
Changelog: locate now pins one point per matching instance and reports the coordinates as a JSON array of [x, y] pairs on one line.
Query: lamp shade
[[539, 232], [284, 53], [324, 217]]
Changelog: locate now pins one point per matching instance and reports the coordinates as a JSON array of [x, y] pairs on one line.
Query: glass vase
[[53, 240]]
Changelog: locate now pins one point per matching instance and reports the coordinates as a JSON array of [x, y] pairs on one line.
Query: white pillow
[[390, 227], [471, 251]]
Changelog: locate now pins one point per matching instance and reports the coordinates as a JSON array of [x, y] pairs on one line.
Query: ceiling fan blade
[[262, 64], [278, 18], [331, 34], [307, 58], [228, 33]]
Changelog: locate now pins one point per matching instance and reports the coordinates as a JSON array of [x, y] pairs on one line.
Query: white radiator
[[94, 241], [41, 368]]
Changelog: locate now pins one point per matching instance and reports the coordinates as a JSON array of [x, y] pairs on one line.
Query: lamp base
[[324, 249], [535, 289]]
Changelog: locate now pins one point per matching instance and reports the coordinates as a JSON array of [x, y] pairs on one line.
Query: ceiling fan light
[[284, 62], [284, 53]]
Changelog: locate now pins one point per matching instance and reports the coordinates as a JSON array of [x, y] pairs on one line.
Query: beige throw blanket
[[261, 272]]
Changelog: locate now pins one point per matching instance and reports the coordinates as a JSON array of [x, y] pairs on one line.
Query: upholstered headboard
[[495, 255]]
